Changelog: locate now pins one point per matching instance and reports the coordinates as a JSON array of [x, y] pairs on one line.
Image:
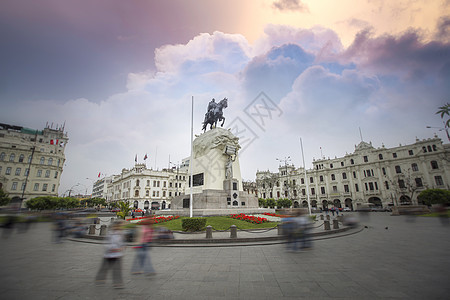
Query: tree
[[125, 208], [4, 199], [262, 202], [434, 196], [445, 110], [284, 203], [271, 203]]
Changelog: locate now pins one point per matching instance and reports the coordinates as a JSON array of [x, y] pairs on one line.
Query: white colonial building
[[31, 161], [381, 176], [144, 188]]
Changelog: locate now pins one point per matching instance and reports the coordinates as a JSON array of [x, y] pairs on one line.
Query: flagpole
[[191, 163], [306, 179]]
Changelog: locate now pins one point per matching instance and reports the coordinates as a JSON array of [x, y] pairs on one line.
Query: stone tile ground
[[408, 260]]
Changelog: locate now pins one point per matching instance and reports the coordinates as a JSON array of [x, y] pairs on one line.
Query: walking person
[[112, 257], [142, 262]]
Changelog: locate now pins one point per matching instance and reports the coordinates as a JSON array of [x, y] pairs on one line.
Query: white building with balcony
[[381, 176]]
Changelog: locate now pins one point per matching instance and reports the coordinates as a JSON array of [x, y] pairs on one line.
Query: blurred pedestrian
[[112, 256], [142, 262]]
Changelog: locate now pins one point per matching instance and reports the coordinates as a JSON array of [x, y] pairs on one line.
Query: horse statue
[[215, 114]]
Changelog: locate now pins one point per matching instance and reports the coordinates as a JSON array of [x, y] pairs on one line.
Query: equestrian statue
[[214, 113]]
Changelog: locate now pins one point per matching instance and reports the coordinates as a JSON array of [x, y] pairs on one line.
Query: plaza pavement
[[393, 258]]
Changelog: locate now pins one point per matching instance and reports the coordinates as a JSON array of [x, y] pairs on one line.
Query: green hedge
[[193, 224]]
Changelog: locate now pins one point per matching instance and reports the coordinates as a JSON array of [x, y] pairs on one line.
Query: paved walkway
[[392, 258]]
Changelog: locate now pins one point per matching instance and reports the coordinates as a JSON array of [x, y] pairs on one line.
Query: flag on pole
[[53, 142], [145, 157], [135, 159], [99, 174]]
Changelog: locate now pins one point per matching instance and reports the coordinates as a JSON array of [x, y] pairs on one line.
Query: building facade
[[146, 188], [31, 161], [380, 176]]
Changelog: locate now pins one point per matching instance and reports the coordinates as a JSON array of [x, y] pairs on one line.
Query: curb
[[229, 242]]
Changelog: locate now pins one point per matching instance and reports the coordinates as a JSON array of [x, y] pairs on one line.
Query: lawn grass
[[219, 223], [435, 214]]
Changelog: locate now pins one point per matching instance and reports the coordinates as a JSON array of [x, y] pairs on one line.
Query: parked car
[[346, 209]]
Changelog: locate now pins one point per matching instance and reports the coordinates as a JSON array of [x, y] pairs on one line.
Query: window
[[170, 194], [137, 182], [39, 173], [429, 148], [334, 189], [164, 194], [352, 161], [333, 177], [148, 183], [438, 180], [354, 174], [380, 156], [293, 182], [44, 187], [42, 160], [322, 190], [321, 178], [371, 186], [278, 184], [342, 163], [154, 183], [434, 148], [383, 170], [157, 183], [50, 161], [154, 193], [295, 193], [59, 162], [331, 166], [414, 167], [8, 171], [303, 192], [313, 191], [386, 184], [311, 179], [366, 159], [302, 180], [27, 171], [401, 184], [346, 188], [398, 169], [434, 165], [2, 156], [419, 182], [147, 193], [56, 174], [47, 174], [18, 170], [424, 149], [21, 157], [278, 194], [136, 193], [410, 152], [53, 187], [14, 186], [23, 186], [356, 187], [344, 175], [0, 169], [164, 183], [36, 187], [394, 155]]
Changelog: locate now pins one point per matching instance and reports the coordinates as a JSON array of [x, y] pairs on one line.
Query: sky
[[121, 75]]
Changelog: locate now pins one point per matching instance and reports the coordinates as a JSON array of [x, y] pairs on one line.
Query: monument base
[[212, 212]]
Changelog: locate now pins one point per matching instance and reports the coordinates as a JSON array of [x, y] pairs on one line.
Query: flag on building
[[145, 157], [53, 142], [99, 174], [135, 159]]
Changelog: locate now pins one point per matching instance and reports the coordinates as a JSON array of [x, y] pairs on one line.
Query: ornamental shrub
[[193, 224]]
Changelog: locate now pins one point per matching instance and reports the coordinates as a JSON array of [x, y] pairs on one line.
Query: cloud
[[389, 85], [292, 5]]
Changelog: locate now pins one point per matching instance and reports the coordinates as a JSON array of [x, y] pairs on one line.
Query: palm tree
[[445, 110]]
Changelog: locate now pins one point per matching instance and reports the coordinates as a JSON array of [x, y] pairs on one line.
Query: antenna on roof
[[360, 134]]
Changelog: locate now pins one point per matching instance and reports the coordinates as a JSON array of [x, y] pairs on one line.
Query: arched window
[[21, 157], [333, 177], [12, 157], [50, 161], [136, 193], [429, 148], [434, 148], [42, 160], [321, 178], [424, 149], [352, 161], [380, 156], [147, 193], [137, 182], [2, 156]]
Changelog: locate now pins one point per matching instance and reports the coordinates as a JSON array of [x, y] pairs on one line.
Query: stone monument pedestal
[[217, 183]]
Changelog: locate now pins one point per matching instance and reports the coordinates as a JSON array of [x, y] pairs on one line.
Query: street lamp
[[286, 160], [441, 129]]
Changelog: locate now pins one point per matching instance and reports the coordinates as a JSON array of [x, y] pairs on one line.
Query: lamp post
[[441, 129], [286, 160]]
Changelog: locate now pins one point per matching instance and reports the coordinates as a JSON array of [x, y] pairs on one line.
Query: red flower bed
[[160, 219], [251, 219], [275, 215]]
